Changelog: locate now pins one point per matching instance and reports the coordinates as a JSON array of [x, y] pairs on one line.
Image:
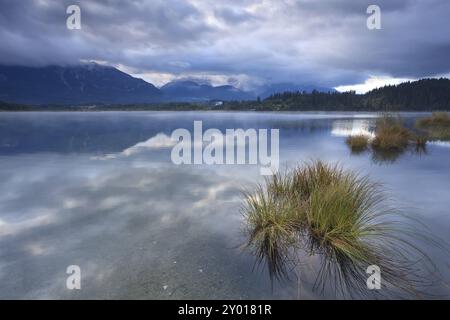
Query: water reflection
[[141, 227], [159, 141], [346, 128]]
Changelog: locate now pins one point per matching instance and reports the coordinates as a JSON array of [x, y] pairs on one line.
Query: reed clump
[[322, 209], [391, 134], [358, 143], [437, 126], [391, 139], [437, 119]]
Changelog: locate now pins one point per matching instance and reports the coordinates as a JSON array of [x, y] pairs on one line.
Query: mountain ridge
[[91, 83], [191, 91], [77, 84]]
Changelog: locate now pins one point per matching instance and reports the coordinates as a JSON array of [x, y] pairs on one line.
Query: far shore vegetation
[[422, 95]]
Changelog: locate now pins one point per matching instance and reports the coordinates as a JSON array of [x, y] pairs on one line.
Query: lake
[[99, 190]]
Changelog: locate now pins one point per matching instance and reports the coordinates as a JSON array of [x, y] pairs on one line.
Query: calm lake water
[[99, 190]]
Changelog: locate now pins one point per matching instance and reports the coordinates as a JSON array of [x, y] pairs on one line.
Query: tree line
[[421, 95]]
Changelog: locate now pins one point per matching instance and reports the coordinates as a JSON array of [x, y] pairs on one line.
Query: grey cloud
[[233, 16], [323, 43]]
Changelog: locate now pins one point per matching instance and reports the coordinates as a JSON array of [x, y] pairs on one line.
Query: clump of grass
[[437, 119], [358, 143], [271, 228], [392, 139], [324, 210], [391, 134], [440, 134], [437, 126]]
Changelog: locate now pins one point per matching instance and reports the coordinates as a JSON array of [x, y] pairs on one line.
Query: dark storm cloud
[[320, 42]]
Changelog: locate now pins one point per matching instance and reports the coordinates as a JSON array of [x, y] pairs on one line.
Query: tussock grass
[[391, 134], [358, 143], [439, 134], [271, 228], [437, 119], [324, 210], [392, 139], [437, 126]]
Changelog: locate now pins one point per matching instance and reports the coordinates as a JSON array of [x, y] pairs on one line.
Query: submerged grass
[[321, 209]]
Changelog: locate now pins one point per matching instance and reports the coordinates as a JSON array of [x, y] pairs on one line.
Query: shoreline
[[220, 111]]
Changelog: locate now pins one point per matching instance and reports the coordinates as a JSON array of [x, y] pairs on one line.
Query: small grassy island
[[436, 127], [392, 137], [391, 134], [358, 143], [322, 210]]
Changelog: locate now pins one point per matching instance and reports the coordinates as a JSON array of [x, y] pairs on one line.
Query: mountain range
[[73, 85], [191, 91], [97, 84]]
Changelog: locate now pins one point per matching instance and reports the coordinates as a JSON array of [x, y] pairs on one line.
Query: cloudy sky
[[241, 42]]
